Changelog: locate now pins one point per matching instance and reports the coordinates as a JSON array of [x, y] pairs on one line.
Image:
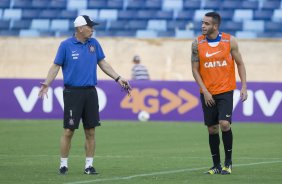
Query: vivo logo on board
[[27, 101], [268, 104]]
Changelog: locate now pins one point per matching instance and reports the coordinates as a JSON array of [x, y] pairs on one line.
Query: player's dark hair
[[215, 17]]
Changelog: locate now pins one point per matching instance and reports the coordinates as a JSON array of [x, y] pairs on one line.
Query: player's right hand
[[209, 101]]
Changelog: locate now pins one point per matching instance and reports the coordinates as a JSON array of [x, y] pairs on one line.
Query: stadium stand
[[138, 18]]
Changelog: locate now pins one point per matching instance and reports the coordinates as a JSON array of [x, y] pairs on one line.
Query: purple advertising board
[[164, 100]]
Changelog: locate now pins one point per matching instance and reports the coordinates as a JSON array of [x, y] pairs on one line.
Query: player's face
[[208, 27]]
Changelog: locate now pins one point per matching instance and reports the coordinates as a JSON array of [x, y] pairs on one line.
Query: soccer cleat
[[90, 170], [227, 168], [214, 170], [63, 170]]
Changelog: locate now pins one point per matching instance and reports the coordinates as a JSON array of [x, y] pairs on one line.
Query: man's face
[[208, 27], [87, 31]]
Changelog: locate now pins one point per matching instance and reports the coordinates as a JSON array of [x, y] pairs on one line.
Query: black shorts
[[221, 111], [81, 103]]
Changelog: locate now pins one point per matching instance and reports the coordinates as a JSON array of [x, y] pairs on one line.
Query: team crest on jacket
[[91, 48]]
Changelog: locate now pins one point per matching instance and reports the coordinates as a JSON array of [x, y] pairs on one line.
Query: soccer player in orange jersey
[[214, 55]]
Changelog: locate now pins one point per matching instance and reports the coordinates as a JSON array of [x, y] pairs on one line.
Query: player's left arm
[[240, 66]]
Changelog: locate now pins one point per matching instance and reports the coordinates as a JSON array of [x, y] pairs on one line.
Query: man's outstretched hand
[[125, 85]]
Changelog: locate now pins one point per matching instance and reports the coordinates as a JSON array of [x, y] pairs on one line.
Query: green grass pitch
[[138, 153]]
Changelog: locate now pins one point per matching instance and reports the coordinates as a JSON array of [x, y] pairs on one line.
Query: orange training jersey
[[217, 65]]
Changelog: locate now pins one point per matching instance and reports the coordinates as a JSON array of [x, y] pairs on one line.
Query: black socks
[[214, 142], [227, 138]]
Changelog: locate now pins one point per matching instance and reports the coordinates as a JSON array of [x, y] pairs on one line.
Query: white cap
[[83, 20]]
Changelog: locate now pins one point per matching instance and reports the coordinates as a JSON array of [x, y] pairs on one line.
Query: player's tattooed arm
[[195, 53]]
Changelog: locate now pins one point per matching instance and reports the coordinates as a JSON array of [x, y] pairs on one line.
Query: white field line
[[166, 172]]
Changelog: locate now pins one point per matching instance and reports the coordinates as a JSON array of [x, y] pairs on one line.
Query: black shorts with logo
[[221, 111], [81, 103]]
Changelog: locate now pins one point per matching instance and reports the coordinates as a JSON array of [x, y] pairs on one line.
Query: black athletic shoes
[[90, 170], [214, 170], [227, 168], [63, 170]]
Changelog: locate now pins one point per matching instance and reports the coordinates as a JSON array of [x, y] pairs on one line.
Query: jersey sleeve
[[99, 52], [61, 55]]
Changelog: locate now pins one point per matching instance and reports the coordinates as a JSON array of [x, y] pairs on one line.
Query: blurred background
[[172, 146], [160, 31]]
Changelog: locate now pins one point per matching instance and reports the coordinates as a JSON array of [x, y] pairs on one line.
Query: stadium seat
[[102, 25], [108, 14], [145, 14], [185, 15], [4, 24], [184, 34], [153, 4], [270, 5], [92, 13], [58, 4], [29, 33], [60, 25], [230, 5], [146, 34], [254, 5], [126, 14], [117, 25], [273, 26], [30, 13], [213, 4], [97, 4], [263, 14], [135, 4], [241, 15], [104, 34], [158, 25], [5, 4], [172, 25], [115, 4], [20, 24], [230, 26], [68, 14], [154, 18], [166, 34], [196, 26], [135, 25], [270, 35], [64, 33], [126, 33], [49, 14], [40, 4], [277, 15], [13, 33], [76, 4], [12, 14], [164, 15], [191, 5], [199, 14], [23, 4], [253, 25], [246, 35], [40, 24], [46, 33], [172, 5], [226, 14]]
